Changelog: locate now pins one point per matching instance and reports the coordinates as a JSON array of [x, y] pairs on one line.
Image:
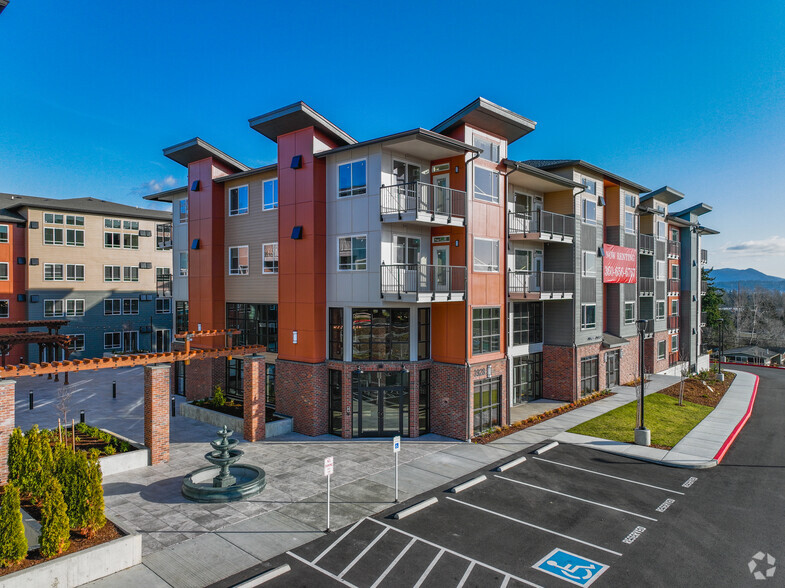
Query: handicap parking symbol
[[570, 567]]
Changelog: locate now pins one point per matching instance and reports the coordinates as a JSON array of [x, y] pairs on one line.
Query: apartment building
[[104, 267], [421, 281]]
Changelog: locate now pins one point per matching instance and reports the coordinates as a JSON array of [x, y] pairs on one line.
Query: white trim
[[586, 327], [7, 232], [74, 265], [264, 204], [130, 312], [55, 300], [164, 299], [54, 266], [74, 301], [119, 272], [664, 344], [489, 198], [264, 258], [119, 306], [180, 219], [62, 237], [77, 349], [123, 340], [247, 200], [632, 322], [120, 346], [338, 166], [586, 271], [239, 271], [658, 316], [351, 243], [496, 253]]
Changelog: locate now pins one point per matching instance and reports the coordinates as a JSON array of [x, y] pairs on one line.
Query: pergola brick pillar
[[7, 390], [156, 412], [253, 398]]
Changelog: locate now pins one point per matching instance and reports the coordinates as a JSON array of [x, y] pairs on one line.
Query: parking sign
[[328, 466], [570, 567], [396, 444]]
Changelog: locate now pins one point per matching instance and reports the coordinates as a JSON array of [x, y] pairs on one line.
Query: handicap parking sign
[[570, 567]]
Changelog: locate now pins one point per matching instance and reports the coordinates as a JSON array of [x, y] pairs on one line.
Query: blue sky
[[689, 94]]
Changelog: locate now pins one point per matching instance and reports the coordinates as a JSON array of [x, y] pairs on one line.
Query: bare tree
[[63, 402], [684, 371]]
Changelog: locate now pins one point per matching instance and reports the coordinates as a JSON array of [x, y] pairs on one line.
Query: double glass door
[[380, 404]]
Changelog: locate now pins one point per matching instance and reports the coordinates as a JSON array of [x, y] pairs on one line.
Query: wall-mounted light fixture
[[195, 244], [297, 233], [297, 162], [195, 185]]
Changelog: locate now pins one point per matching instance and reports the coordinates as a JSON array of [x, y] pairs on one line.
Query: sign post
[[328, 471], [396, 451]]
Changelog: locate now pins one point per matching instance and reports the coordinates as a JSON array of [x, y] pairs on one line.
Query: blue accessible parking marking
[[570, 567]]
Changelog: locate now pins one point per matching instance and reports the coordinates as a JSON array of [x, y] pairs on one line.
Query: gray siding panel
[[557, 322]]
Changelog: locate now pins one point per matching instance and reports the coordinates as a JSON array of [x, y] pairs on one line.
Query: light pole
[[722, 349], [642, 434]]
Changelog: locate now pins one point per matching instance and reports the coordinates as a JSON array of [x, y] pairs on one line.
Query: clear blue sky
[[689, 94]]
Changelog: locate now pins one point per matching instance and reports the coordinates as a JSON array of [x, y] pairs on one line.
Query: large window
[[53, 272], [53, 308], [486, 330], [380, 334], [181, 316], [487, 394], [589, 211], [238, 200], [351, 253], [113, 306], [423, 333], [526, 378], [486, 184], [629, 313], [163, 236], [270, 188], [53, 219], [238, 261], [352, 179], [588, 316], [163, 340], [183, 210], [74, 272], [486, 255], [3, 233], [425, 401], [74, 307], [336, 333], [590, 378], [335, 384], [258, 324], [111, 273], [526, 323], [489, 150], [270, 258]]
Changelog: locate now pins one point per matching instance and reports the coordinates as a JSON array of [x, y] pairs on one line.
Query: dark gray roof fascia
[[549, 164], [419, 134], [540, 173], [82, 205], [166, 195], [516, 125], [666, 195], [272, 126], [196, 149]]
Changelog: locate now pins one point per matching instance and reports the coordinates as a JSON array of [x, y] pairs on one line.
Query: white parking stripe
[[392, 564], [429, 568], [362, 553], [607, 475], [532, 525], [322, 570], [466, 575], [505, 582], [337, 541], [600, 504]]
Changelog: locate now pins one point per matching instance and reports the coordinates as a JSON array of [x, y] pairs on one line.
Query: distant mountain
[[730, 279]]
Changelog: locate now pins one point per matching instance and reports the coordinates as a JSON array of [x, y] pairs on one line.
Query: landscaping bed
[[88, 438], [234, 409], [499, 432], [695, 391]]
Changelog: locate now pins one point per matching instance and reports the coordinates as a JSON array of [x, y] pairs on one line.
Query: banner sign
[[619, 266]]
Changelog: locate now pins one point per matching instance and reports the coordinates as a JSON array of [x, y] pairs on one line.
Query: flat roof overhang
[[295, 117], [665, 195], [698, 210], [527, 176], [485, 115], [420, 143], [168, 195], [195, 149]]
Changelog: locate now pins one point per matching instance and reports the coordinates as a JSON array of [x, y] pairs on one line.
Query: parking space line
[[337, 541], [392, 564], [362, 553], [533, 526], [429, 568], [607, 475], [600, 504], [505, 582], [322, 570], [465, 575]]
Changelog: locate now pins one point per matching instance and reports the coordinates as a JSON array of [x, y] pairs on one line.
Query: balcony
[[646, 286], [674, 285], [648, 331], [163, 285], [673, 322], [646, 244], [674, 249], [423, 283], [540, 285], [418, 202], [704, 287], [704, 257], [541, 225], [703, 319]]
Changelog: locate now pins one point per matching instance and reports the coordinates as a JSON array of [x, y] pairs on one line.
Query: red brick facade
[[558, 373], [254, 407], [301, 393], [156, 412], [203, 376], [7, 417], [450, 400], [654, 365]]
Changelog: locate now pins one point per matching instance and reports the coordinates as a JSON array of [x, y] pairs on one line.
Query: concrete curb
[[737, 429]]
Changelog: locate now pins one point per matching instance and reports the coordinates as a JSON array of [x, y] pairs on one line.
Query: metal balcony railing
[[541, 221], [163, 285], [674, 285], [419, 197], [521, 282], [674, 248], [646, 286], [400, 279], [646, 244], [704, 256], [673, 322], [704, 286]]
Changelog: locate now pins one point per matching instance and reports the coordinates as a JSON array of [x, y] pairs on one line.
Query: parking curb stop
[[402, 514]]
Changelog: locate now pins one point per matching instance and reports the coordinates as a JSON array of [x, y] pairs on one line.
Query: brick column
[[156, 412], [254, 406], [7, 390]]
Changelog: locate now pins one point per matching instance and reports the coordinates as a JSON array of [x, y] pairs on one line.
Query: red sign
[[619, 266]]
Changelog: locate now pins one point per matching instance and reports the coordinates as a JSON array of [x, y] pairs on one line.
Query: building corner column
[[254, 405], [156, 412]]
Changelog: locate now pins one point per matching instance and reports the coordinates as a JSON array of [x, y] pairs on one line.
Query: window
[[270, 259], [130, 225], [589, 264], [675, 271], [661, 230], [407, 250], [661, 349], [660, 309], [630, 200], [425, 401], [336, 333], [486, 404], [352, 178], [526, 378], [589, 211], [380, 334], [590, 378], [269, 383], [163, 305], [3, 233], [111, 273], [351, 253], [163, 340], [130, 273], [181, 316], [4, 309], [4, 270], [130, 241], [486, 255], [112, 340], [588, 316], [112, 306], [660, 270], [183, 208], [674, 343], [486, 184], [486, 330], [74, 307], [674, 234], [238, 261], [76, 343], [258, 324], [76, 221], [629, 222], [53, 236], [675, 307], [74, 237], [629, 313], [113, 223], [112, 240], [183, 265], [53, 308], [163, 281], [591, 185], [526, 323], [270, 194], [335, 385], [423, 333], [489, 150], [53, 219], [163, 236], [53, 272], [238, 200], [130, 306]]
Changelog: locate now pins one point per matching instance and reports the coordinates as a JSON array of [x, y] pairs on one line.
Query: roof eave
[[516, 125], [605, 173], [420, 134], [196, 149], [272, 124], [540, 173]]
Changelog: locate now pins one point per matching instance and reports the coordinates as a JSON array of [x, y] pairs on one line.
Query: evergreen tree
[[76, 496], [13, 545], [32, 474], [55, 530], [711, 300], [17, 446], [95, 518]]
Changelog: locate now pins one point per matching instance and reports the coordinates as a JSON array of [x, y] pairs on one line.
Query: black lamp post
[[722, 349], [642, 434]]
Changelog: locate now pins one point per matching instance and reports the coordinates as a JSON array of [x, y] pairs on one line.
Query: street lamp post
[[642, 434], [722, 349]]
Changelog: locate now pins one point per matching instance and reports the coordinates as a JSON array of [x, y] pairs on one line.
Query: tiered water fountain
[[225, 480]]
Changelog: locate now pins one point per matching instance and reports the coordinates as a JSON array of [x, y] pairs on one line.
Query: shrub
[[17, 447], [34, 478], [110, 450], [94, 511], [55, 531], [219, 398], [13, 545]]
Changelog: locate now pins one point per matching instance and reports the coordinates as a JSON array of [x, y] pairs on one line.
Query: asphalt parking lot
[[565, 517]]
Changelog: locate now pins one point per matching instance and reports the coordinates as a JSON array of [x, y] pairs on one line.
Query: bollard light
[[81, 416], [114, 388], [31, 400], [173, 412]]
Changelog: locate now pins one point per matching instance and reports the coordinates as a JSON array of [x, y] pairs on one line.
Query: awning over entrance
[[612, 341]]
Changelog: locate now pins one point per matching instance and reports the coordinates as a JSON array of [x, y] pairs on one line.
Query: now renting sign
[[620, 265]]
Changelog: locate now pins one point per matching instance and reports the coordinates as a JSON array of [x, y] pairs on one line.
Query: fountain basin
[[249, 481]]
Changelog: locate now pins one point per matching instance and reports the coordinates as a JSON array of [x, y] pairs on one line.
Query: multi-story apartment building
[[417, 282], [104, 267]]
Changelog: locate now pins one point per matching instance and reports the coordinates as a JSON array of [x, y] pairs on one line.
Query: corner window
[[270, 261], [629, 313], [486, 330], [588, 316], [352, 253], [591, 185], [352, 180], [238, 261], [183, 208], [589, 211], [238, 200], [336, 334], [3, 233], [486, 255], [589, 264], [270, 194], [489, 150], [661, 349], [486, 184]]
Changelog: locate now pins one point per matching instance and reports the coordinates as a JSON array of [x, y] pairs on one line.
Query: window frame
[[675, 343], [54, 240], [360, 190], [7, 304], [495, 256], [494, 334], [664, 345], [239, 210], [119, 335], [274, 262], [54, 267], [4, 271], [238, 271], [54, 312], [353, 263], [585, 325], [119, 273], [5, 233], [491, 142], [675, 302], [182, 215], [627, 216], [133, 306], [586, 271], [395, 350], [335, 335], [274, 203], [493, 197], [657, 315], [423, 333], [161, 308], [630, 321], [584, 211], [114, 306], [74, 242], [183, 271], [590, 383], [589, 185], [75, 347], [131, 273], [74, 310]]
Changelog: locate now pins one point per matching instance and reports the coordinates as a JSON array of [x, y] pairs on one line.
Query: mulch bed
[[695, 391], [533, 420], [235, 409]]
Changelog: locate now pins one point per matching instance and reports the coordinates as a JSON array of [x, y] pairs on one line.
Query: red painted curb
[[729, 441], [771, 367]]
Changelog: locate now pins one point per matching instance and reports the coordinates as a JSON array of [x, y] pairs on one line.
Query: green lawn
[[667, 421]]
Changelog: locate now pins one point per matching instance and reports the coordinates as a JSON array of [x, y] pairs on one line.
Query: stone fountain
[[225, 480]]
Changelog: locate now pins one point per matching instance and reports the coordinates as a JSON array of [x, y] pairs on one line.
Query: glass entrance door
[[612, 368], [441, 194], [380, 404], [441, 256]]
